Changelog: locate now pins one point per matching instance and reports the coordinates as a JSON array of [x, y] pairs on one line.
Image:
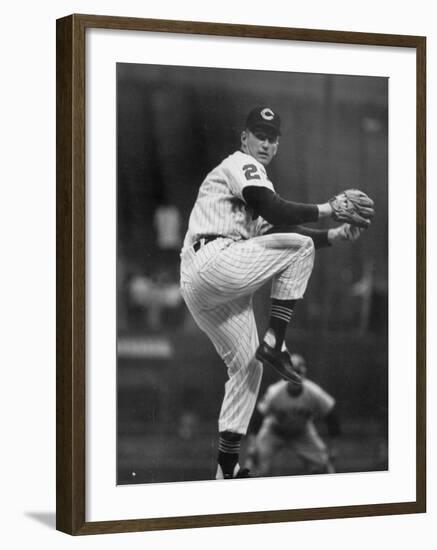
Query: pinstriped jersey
[[289, 414], [220, 208]]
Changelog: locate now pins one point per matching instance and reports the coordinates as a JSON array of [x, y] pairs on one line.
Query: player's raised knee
[[295, 241], [306, 244]]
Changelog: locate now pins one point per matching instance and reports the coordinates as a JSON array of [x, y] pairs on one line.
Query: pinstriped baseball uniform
[[289, 420], [219, 278]]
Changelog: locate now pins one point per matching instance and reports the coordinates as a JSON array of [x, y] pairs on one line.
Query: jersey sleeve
[[243, 170], [323, 402]]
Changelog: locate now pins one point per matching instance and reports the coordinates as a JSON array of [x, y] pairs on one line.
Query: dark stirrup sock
[[280, 315], [229, 448]]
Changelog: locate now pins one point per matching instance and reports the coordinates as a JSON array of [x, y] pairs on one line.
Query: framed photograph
[[240, 274]]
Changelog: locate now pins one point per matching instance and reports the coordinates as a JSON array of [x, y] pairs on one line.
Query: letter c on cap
[[267, 114]]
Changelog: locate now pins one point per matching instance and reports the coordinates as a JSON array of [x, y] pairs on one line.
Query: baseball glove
[[352, 206]]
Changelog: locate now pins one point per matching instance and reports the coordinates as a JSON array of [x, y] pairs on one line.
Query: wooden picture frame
[[71, 261]]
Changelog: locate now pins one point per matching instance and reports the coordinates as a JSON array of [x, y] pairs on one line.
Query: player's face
[[260, 144]]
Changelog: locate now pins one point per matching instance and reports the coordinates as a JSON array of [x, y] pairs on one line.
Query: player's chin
[[264, 159]]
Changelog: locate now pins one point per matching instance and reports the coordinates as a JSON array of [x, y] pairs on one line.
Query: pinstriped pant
[[218, 283]]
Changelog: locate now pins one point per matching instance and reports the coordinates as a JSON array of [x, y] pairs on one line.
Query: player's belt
[[203, 241]]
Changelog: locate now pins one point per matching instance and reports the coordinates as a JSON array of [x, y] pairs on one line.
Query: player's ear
[[275, 149], [243, 136]]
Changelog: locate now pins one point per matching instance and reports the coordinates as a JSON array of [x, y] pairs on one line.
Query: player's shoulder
[[239, 160], [311, 386], [277, 387], [314, 389], [280, 388]]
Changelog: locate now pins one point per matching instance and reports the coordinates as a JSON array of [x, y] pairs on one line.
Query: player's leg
[[241, 268], [251, 460], [267, 446], [236, 342], [288, 286], [311, 448], [231, 328], [227, 269], [217, 285]]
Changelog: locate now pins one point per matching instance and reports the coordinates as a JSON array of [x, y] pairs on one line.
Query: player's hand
[[345, 232]]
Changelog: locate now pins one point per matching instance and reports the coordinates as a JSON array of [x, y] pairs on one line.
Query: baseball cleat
[[280, 361], [238, 473]]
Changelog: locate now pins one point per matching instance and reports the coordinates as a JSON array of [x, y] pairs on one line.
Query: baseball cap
[[264, 117]]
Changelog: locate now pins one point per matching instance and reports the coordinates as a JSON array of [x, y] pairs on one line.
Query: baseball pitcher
[[240, 235]]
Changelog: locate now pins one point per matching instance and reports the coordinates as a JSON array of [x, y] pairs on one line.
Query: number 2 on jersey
[[250, 172]]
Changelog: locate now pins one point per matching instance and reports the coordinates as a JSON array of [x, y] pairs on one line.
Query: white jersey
[[220, 208], [290, 415]]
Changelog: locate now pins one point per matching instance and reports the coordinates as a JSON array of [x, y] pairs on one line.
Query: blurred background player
[[289, 412]]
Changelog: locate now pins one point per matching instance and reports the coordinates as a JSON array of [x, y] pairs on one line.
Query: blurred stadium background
[[174, 124]]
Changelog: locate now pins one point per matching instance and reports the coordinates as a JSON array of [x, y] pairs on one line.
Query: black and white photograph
[[218, 275], [252, 273]]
